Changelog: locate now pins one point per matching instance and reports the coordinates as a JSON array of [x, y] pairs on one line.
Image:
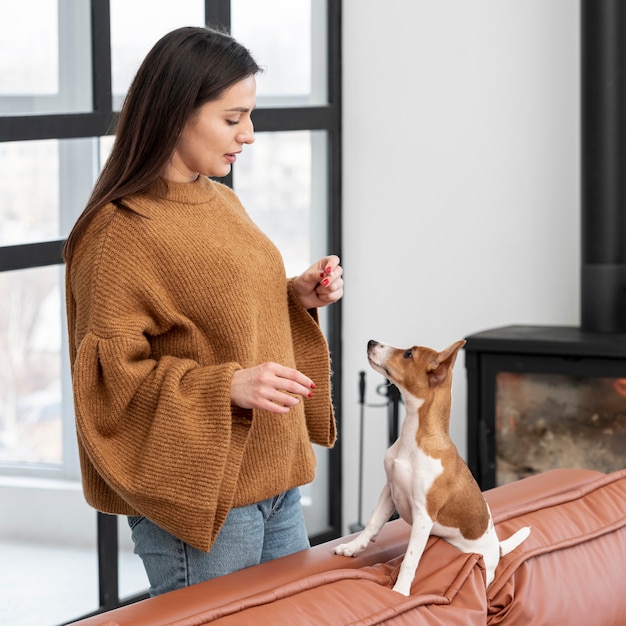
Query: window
[[55, 75], [289, 39], [58, 102]]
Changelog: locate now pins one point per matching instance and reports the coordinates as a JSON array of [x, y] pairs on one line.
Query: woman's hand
[[321, 284], [269, 386]]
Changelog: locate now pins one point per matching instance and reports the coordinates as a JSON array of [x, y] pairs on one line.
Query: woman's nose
[[247, 133]]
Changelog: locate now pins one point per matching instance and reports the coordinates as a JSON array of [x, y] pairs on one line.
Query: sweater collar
[[197, 192]]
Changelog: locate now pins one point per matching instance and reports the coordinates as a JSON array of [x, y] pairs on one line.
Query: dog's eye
[[408, 354]]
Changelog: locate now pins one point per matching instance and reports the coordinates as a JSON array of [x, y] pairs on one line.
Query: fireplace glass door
[[546, 421]]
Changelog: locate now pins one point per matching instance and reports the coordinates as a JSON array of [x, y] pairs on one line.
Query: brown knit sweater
[[164, 304]]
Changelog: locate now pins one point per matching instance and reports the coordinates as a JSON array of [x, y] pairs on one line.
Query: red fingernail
[[312, 385], [322, 274], [325, 282], [310, 394], [329, 270]]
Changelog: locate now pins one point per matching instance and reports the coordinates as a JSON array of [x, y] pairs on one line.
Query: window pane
[[288, 39], [133, 579], [39, 178], [29, 212], [130, 43], [281, 182], [30, 367], [53, 76], [315, 497]]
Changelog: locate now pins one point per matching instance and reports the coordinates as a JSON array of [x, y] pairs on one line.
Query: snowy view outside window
[[44, 184]]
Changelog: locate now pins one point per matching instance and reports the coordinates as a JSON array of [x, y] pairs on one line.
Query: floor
[[44, 585]]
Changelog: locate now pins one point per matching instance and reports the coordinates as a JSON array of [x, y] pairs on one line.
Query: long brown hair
[[185, 69]]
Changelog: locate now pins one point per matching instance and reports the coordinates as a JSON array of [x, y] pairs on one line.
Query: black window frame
[[99, 122]]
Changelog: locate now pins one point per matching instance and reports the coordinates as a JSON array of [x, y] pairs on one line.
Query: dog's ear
[[439, 367]]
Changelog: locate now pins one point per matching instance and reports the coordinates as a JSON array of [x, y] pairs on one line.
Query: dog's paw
[[353, 548], [403, 588]]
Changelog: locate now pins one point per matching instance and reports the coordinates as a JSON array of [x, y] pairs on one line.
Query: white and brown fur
[[428, 483]]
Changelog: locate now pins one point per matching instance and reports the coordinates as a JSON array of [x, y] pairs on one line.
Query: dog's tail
[[508, 545]]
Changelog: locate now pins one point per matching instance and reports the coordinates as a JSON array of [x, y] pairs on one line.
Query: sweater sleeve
[[160, 433], [154, 421], [313, 359]]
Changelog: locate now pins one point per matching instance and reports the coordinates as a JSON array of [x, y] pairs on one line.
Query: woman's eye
[[408, 354], [232, 122]]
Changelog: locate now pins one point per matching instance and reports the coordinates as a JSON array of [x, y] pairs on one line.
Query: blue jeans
[[250, 535]]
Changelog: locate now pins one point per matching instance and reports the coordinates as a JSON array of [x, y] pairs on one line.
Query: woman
[[200, 374]]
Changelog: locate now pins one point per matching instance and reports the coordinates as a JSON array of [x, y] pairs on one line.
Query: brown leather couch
[[570, 571]]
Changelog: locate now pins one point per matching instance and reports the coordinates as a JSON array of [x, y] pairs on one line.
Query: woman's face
[[212, 138]]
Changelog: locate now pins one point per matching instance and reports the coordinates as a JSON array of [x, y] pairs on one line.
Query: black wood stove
[[542, 397]]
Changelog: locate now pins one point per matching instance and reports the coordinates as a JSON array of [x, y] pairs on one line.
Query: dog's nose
[[371, 343]]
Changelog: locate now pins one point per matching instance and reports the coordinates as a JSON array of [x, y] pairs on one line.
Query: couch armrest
[[578, 520], [571, 568]]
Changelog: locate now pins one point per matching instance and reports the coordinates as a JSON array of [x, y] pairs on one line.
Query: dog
[[428, 483]]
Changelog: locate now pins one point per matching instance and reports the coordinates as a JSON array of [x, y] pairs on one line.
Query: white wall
[[461, 186], [50, 512]]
